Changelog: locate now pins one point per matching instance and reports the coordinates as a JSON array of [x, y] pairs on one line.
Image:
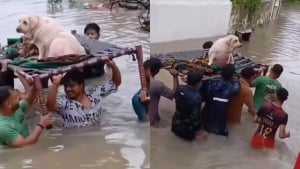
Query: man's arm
[[259, 113], [31, 139], [12, 138], [175, 84], [30, 95], [30, 90], [256, 82], [35, 134], [116, 75], [164, 91], [283, 133], [249, 103], [52, 98], [174, 73]]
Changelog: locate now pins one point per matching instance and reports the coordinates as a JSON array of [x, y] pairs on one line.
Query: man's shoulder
[[3, 122], [261, 79], [156, 84], [5, 125]]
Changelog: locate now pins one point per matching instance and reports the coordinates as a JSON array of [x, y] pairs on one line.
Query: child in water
[[270, 117], [92, 31]]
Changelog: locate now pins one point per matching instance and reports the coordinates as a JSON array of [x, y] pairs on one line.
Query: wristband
[[41, 126]]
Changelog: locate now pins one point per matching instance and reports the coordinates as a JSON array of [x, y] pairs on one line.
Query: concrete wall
[[173, 20]]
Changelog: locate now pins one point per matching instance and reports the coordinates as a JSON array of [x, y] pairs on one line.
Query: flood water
[[120, 141], [277, 42]]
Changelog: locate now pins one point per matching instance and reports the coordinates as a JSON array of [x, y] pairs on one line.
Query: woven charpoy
[[50, 66], [186, 60]]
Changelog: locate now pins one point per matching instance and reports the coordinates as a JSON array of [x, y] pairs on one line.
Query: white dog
[[49, 37], [221, 52]]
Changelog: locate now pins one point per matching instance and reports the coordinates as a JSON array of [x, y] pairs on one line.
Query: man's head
[[194, 77], [207, 45], [248, 73], [9, 99], [282, 95], [228, 71], [73, 84], [276, 71], [154, 66], [146, 66], [92, 30]]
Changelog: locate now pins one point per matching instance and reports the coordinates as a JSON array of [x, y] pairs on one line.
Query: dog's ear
[[33, 21], [229, 41]]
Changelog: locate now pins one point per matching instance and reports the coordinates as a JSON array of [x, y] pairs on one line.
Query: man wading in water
[[158, 89], [14, 130], [270, 117], [187, 122], [79, 108], [265, 86]]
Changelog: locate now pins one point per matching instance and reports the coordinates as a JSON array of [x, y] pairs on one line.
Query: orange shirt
[[236, 104]]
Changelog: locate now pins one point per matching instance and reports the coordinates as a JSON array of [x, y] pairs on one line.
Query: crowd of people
[[206, 107], [203, 107]]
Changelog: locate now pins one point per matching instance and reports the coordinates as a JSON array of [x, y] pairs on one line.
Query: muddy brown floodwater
[[277, 42], [120, 141]]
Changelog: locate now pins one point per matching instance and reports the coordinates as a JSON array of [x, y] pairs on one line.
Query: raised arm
[[30, 91], [52, 95], [116, 75], [174, 73]]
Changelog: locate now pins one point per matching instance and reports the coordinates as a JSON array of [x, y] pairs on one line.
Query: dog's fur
[[49, 37], [221, 52]]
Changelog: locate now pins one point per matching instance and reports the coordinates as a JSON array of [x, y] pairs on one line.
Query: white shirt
[[75, 115]]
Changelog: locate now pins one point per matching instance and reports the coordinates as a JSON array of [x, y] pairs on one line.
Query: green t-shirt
[[265, 89], [13, 126]]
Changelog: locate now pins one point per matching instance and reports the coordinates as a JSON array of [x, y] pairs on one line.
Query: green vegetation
[[251, 5]]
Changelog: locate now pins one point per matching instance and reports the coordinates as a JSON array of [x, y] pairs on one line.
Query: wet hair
[[92, 26], [247, 72], [194, 77], [155, 65], [277, 69], [228, 71], [4, 94], [74, 76], [282, 94], [207, 45]]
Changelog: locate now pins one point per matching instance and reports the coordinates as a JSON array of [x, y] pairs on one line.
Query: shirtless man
[[244, 96], [158, 89], [270, 117]]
